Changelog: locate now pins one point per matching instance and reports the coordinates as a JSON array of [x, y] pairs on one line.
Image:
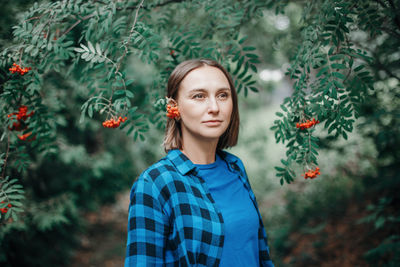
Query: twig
[[147, 7], [76, 23], [37, 17], [130, 37], [5, 159]]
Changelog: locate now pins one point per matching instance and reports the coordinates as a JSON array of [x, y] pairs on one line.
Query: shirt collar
[[181, 162], [228, 157], [184, 165]]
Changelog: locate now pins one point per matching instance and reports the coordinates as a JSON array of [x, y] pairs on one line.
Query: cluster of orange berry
[[112, 123], [312, 173], [22, 113], [307, 124], [4, 210], [172, 111], [17, 68], [19, 125], [24, 137]]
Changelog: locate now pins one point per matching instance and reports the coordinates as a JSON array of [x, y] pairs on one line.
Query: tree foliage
[[91, 41]]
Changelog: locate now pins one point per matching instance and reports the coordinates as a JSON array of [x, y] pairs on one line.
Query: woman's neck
[[200, 152]]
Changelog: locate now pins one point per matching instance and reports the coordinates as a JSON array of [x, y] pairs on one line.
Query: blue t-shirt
[[238, 211]]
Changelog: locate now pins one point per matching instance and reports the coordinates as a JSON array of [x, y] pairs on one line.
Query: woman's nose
[[213, 105]]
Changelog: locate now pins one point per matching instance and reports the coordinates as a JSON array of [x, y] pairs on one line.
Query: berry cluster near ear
[[172, 112]]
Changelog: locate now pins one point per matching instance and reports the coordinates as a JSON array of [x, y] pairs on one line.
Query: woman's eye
[[223, 95], [198, 96]]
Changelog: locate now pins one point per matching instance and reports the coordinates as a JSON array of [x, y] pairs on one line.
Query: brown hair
[[173, 135]]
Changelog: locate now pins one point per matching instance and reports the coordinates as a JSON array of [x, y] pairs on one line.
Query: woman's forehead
[[205, 78]]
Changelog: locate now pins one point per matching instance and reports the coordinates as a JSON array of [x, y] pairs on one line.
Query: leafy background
[[92, 60]]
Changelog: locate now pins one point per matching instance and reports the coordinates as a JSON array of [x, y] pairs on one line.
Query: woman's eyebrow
[[197, 90], [204, 90]]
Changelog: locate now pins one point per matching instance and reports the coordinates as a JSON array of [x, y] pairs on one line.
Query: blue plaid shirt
[[173, 220]]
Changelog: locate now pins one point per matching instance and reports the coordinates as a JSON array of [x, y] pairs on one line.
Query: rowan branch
[[6, 158], [77, 22], [143, 7], [129, 38]]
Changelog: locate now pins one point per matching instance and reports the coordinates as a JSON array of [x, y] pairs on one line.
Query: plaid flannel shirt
[[173, 220]]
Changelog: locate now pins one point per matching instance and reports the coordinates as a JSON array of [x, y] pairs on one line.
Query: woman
[[195, 206]]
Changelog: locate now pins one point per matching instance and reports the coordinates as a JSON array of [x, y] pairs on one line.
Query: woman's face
[[205, 104]]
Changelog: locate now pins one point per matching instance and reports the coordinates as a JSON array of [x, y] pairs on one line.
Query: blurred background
[[348, 216]]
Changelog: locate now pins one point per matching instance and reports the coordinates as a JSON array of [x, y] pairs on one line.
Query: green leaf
[[338, 75], [129, 94], [91, 48], [359, 68], [338, 84], [249, 48], [322, 71], [338, 66], [128, 82], [249, 55], [280, 169], [344, 135], [98, 49], [241, 41], [84, 47], [337, 57], [90, 111]]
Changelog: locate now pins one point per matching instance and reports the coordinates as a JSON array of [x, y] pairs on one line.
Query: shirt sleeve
[[147, 226]]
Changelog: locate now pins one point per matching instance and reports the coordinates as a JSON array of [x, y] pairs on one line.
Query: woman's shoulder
[[159, 171], [155, 179]]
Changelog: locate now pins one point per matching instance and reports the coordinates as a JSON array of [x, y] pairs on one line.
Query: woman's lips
[[212, 122]]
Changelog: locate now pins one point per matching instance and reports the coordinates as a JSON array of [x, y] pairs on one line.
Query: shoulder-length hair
[[173, 134]]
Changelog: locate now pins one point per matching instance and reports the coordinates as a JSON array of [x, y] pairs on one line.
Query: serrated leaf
[[359, 68], [322, 71], [250, 55], [79, 50], [129, 94], [338, 75], [98, 49], [128, 82], [338, 84], [91, 48], [84, 47], [338, 66], [85, 55], [242, 40], [279, 169], [249, 48], [90, 111]]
